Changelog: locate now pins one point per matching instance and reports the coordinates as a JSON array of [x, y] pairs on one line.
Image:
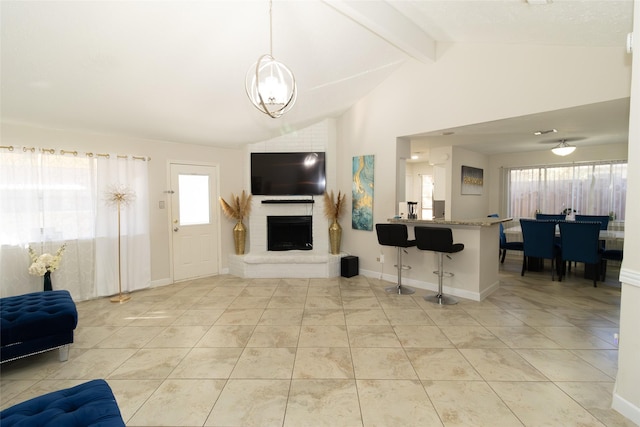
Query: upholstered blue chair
[[550, 217], [36, 322], [508, 246], [539, 242], [602, 219], [610, 255], [504, 245], [581, 243], [398, 236], [90, 404]]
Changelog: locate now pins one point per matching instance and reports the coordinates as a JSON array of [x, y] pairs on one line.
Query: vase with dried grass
[[238, 209], [333, 209]]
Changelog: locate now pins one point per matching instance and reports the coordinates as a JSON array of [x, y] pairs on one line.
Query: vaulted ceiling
[[175, 70]]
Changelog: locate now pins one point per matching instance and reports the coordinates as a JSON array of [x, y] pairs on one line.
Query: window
[[427, 197], [49, 199], [597, 188], [194, 199], [46, 198]]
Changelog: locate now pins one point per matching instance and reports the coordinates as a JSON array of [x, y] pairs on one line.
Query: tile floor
[[225, 351]]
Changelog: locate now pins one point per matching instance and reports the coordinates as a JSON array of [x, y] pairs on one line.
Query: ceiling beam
[[388, 23]]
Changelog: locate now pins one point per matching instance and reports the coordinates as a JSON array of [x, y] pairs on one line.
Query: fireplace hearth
[[287, 233]]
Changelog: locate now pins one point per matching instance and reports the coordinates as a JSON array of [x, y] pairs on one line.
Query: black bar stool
[[396, 235], [439, 240]]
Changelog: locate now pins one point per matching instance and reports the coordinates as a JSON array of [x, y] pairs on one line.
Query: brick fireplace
[[289, 232], [262, 262], [258, 261]]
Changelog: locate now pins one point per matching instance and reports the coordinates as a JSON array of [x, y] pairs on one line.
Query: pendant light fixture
[[563, 149], [270, 85]]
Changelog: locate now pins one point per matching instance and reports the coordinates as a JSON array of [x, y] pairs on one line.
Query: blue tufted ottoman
[[88, 404], [36, 322]]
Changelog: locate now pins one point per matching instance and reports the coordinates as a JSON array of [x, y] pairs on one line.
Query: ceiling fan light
[[563, 149]]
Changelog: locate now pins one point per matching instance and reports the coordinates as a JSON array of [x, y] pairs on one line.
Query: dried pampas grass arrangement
[[239, 208], [333, 207]]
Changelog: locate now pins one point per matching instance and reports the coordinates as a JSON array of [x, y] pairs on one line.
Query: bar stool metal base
[[441, 299], [400, 290]]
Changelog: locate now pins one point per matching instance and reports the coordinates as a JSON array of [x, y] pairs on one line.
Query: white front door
[[194, 221]]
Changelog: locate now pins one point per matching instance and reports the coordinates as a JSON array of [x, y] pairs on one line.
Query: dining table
[[515, 234], [609, 237]]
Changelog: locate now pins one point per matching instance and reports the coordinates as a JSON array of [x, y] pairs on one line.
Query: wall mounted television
[[288, 174]]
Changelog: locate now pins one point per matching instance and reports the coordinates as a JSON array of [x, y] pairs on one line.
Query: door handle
[[175, 228]]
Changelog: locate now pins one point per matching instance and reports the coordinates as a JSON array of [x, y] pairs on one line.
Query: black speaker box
[[349, 266]]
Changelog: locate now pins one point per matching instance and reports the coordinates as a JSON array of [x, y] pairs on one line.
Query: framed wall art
[[362, 193], [472, 180]]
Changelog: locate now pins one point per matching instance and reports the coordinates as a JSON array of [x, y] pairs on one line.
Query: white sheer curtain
[[116, 172], [524, 190], [589, 189], [47, 200]]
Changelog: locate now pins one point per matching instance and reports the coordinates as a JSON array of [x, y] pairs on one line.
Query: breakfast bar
[[475, 268]]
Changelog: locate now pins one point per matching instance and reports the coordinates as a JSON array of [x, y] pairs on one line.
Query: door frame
[[215, 197]]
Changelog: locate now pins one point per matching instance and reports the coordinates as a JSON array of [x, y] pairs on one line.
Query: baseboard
[[161, 282], [625, 407], [630, 277], [491, 289], [455, 292]]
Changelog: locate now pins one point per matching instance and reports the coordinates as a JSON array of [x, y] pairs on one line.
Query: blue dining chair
[[538, 239], [602, 219], [609, 255], [550, 217], [508, 246], [580, 242], [504, 245]]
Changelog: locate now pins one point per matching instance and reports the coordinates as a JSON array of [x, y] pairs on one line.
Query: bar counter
[[475, 268]]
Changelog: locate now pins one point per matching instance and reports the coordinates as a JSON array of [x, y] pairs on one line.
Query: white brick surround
[[318, 262]]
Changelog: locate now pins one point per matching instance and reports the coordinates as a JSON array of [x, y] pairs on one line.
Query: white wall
[[467, 84], [230, 164], [476, 83], [627, 393], [466, 206], [319, 137]]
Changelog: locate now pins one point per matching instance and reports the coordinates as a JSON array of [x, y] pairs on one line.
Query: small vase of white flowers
[[45, 264]]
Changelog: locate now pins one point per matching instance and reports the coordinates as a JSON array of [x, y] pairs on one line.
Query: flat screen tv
[[288, 174]]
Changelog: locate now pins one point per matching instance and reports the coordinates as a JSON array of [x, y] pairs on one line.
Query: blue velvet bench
[[88, 404], [36, 322]]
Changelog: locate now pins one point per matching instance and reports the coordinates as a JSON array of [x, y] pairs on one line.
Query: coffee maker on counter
[[411, 209]]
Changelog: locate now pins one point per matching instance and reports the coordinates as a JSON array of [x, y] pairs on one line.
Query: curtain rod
[[74, 153]]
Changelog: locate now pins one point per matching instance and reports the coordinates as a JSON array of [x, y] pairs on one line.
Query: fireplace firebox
[[286, 233]]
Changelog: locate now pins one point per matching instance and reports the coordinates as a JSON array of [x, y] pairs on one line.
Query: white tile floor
[[225, 351]]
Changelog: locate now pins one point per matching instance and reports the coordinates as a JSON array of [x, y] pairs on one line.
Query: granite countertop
[[481, 222]]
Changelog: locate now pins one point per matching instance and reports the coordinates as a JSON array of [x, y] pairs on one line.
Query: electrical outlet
[[380, 259]]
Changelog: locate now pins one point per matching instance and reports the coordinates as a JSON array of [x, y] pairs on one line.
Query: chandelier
[[563, 149], [270, 85]]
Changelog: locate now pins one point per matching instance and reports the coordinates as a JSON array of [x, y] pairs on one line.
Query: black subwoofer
[[349, 266]]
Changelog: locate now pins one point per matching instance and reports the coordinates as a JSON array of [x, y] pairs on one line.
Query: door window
[[194, 199]]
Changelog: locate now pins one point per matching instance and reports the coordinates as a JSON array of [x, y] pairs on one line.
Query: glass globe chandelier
[[270, 85]]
